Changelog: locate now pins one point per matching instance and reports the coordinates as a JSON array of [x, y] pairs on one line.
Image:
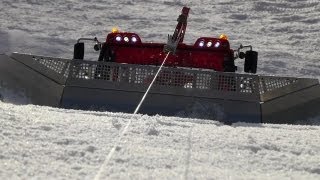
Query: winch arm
[[180, 30]]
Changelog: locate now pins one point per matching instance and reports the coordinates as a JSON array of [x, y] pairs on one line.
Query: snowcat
[[197, 80]]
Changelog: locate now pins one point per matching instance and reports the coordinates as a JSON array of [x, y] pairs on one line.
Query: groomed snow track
[[119, 87]]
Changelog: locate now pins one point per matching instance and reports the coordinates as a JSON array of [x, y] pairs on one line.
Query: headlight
[[118, 38], [209, 44], [134, 39], [217, 44], [126, 39], [201, 43]]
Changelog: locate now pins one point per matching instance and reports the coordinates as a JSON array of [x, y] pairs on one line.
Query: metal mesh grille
[[247, 84], [59, 66], [267, 84], [173, 77]]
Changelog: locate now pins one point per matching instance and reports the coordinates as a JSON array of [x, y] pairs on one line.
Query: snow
[[49, 143], [43, 142]]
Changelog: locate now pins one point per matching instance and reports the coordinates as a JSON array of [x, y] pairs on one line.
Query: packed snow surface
[[48, 143], [41, 142]]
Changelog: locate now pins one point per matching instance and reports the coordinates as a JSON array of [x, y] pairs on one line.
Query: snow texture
[[49, 143], [42, 142]]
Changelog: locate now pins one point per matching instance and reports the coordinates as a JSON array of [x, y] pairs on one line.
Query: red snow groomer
[[205, 53], [197, 80]]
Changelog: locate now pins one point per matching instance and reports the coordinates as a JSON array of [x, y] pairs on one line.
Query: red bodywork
[[206, 53]]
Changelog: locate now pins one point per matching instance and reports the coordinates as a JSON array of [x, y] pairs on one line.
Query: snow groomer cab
[[206, 53]]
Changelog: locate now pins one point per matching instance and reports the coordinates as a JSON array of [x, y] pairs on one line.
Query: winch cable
[[171, 46], [125, 129], [155, 77]]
